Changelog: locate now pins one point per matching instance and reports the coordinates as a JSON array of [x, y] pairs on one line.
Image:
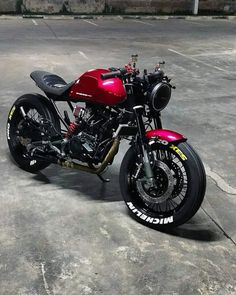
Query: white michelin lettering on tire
[[33, 162], [148, 219], [168, 220], [139, 213], [143, 217], [8, 131], [156, 221], [130, 205]]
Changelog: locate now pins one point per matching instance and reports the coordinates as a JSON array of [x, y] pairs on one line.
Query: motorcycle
[[162, 178]]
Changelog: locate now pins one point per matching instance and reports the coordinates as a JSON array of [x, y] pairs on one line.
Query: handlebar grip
[[111, 75]]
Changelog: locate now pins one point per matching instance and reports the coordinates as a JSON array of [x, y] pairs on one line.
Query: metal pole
[[195, 7]]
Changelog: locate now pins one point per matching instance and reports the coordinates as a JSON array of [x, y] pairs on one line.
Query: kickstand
[[104, 180]]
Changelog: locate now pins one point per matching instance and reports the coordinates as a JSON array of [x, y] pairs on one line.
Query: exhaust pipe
[[108, 159]]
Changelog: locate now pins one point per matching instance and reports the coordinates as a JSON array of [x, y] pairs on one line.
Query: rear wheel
[[20, 133], [176, 193]]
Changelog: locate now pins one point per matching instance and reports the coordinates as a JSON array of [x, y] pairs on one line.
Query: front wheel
[[175, 194]]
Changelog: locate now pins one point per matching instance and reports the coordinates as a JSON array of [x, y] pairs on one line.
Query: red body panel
[[165, 134], [91, 88]]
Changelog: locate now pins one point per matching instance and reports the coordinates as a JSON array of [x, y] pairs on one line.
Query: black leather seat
[[53, 86]]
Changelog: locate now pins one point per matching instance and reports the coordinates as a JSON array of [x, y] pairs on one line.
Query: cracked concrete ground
[[62, 231]]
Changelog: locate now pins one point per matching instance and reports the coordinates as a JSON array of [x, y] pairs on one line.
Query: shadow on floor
[[198, 234], [83, 183], [199, 228]]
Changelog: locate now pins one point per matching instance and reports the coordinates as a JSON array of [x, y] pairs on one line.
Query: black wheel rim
[[18, 131]]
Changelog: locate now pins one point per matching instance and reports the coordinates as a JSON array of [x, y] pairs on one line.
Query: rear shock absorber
[[79, 113], [72, 129]]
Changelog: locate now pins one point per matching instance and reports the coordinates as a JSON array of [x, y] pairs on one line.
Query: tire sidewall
[[194, 195]]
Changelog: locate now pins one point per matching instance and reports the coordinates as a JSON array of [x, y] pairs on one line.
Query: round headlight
[[160, 96]]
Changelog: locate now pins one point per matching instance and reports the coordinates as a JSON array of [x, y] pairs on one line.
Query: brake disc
[[162, 188]]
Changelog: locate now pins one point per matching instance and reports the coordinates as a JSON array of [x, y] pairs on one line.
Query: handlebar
[[127, 72], [114, 74], [110, 75]]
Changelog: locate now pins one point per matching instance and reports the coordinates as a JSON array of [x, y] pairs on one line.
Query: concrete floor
[[62, 231]]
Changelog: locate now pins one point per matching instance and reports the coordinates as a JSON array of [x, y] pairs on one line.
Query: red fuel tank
[[91, 88]]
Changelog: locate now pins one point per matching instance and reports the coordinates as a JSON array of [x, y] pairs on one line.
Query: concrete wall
[[7, 6], [43, 6], [217, 5], [148, 6], [70, 6], [87, 6], [115, 6]]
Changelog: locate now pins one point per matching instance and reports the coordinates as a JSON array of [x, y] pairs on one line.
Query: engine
[[82, 145], [89, 136]]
